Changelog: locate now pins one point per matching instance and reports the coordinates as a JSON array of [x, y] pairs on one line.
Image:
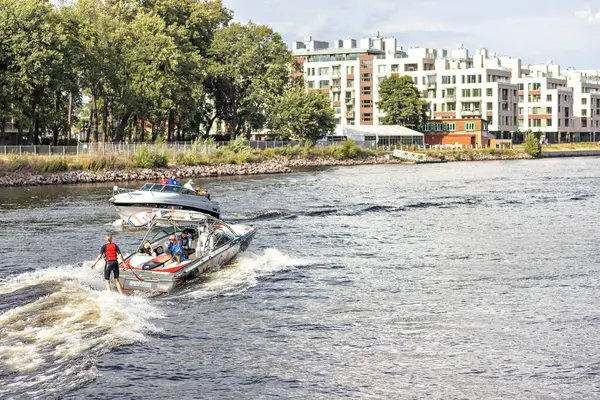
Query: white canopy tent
[[382, 134]]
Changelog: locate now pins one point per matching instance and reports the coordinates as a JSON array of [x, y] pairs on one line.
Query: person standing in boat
[[173, 180], [110, 251]]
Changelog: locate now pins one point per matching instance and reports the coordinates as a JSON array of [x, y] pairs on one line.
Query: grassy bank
[[234, 153], [571, 146], [476, 154]]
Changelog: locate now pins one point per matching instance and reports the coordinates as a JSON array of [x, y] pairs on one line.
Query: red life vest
[[111, 252]]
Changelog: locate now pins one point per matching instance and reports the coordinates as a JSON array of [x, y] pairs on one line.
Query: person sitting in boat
[[147, 249], [175, 250], [163, 181], [185, 244], [189, 185], [173, 180]]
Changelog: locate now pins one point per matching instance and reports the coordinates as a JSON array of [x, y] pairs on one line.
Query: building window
[[490, 120], [548, 110], [366, 64], [310, 84], [366, 90], [548, 97], [395, 68], [350, 83], [566, 122], [521, 86], [366, 103], [536, 123], [548, 122], [324, 84], [469, 126], [466, 93], [490, 106], [365, 77], [584, 123], [476, 92], [584, 101], [381, 69], [323, 71], [490, 92], [584, 113], [350, 70]]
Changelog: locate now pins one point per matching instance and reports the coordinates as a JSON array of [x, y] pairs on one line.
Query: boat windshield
[[168, 230], [155, 187]]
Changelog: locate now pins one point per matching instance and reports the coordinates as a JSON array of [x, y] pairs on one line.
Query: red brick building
[[467, 132]]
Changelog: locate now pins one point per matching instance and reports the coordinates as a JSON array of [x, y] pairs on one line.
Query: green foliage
[[532, 144], [160, 139], [249, 67], [188, 158], [305, 115], [147, 158], [402, 102], [239, 145]]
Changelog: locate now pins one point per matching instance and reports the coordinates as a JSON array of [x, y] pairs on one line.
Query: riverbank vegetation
[[147, 71], [236, 152]]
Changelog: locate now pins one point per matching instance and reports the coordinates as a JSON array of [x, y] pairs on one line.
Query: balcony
[[471, 112], [450, 98], [349, 101], [349, 114], [336, 88]]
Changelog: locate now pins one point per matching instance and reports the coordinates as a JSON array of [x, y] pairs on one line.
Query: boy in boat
[[110, 251]]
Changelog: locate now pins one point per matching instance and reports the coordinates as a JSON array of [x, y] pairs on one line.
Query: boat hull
[[164, 282], [127, 210]]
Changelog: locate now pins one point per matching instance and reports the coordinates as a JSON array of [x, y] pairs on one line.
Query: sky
[[537, 31]]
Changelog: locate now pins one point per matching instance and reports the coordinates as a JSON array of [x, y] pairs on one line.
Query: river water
[[460, 280]]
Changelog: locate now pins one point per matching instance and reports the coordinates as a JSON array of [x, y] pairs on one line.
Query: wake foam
[[49, 345], [244, 273]]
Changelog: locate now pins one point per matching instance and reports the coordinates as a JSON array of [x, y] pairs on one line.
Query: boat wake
[[55, 323], [244, 273]]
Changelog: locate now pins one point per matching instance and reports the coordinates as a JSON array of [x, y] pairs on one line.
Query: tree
[[402, 102], [250, 67], [532, 145], [308, 115]]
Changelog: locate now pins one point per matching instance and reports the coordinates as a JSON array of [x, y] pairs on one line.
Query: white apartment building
[[454, 84], [564, 105]]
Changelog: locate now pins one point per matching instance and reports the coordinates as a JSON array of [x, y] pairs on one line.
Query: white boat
[[155, 196], [215, 243]]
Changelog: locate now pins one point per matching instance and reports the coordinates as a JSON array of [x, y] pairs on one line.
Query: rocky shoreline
[[272, 166]]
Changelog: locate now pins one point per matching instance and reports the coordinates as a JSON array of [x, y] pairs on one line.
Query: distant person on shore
[[173, 180], [110, 251]]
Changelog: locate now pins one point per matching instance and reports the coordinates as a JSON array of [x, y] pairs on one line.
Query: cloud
[[509, 30], [588, 16]]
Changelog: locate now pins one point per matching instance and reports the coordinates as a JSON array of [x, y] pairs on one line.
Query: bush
[[532, 145], [52, 165], [189, 158], [146, 158], [239, 145]]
